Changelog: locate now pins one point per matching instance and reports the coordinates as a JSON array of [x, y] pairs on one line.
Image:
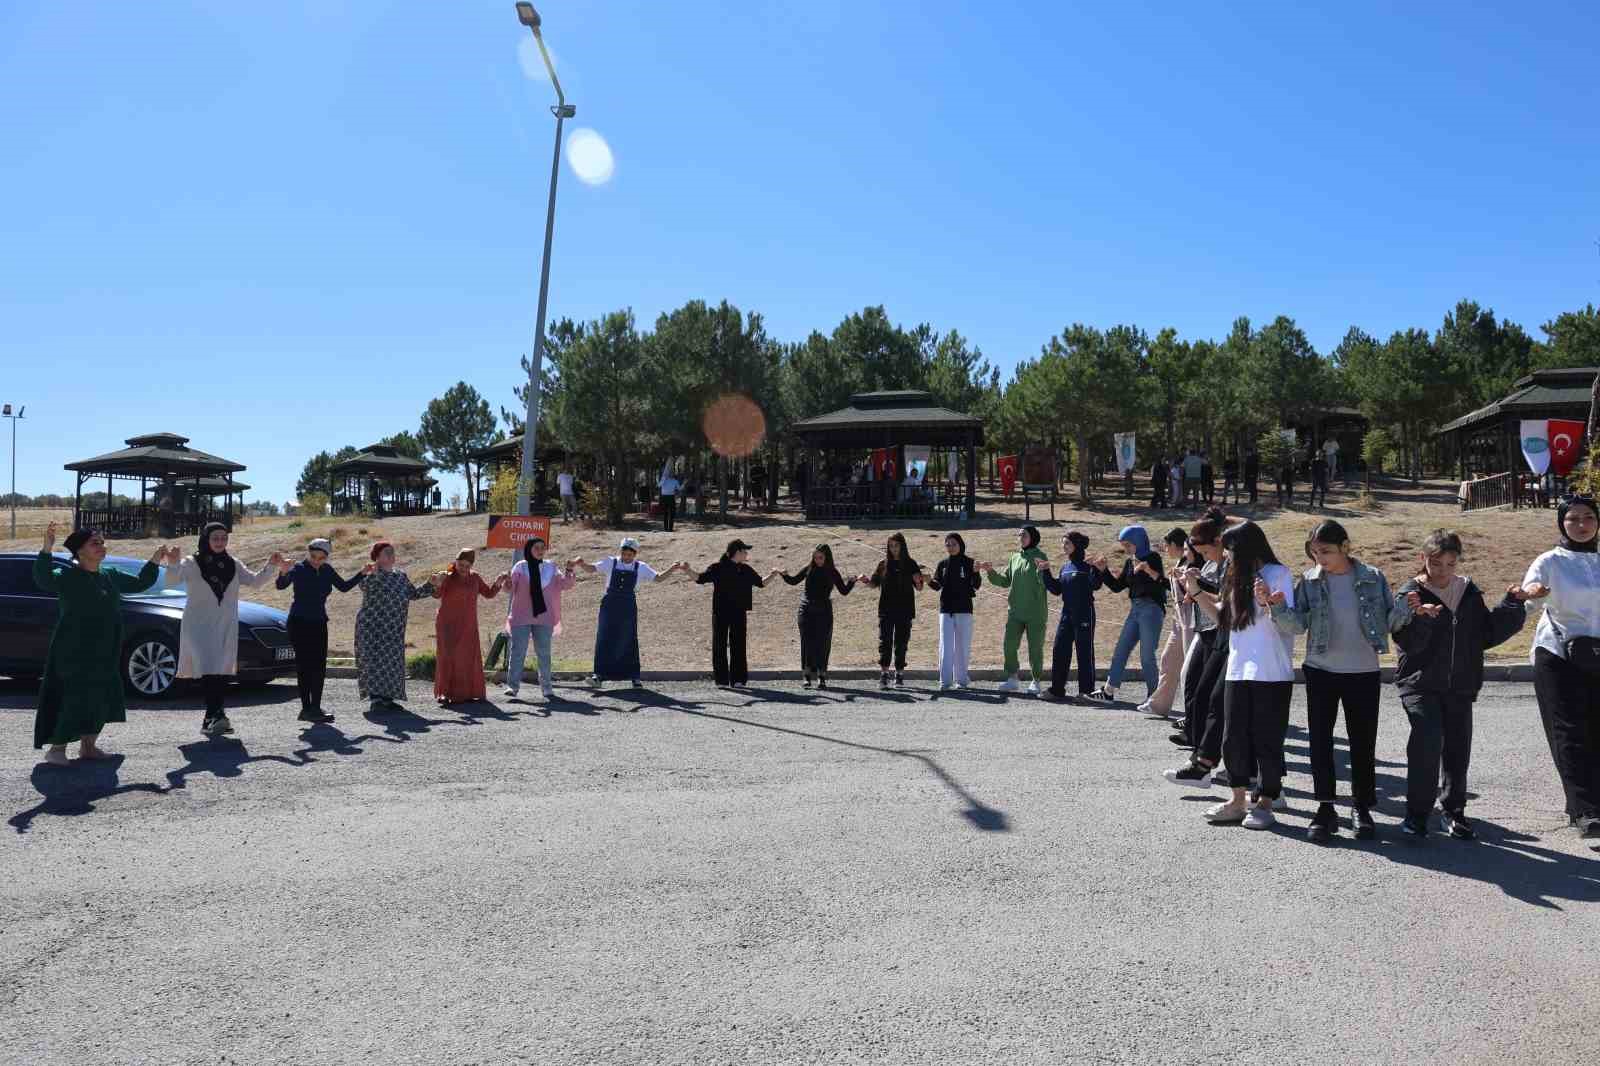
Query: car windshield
[[132, 567]]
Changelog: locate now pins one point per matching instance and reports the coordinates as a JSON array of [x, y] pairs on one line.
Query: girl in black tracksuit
[[897, 579], [815, 616]]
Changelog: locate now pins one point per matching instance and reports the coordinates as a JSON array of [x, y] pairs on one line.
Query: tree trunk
[[722, 483], [1594, 411], [1083, 468]]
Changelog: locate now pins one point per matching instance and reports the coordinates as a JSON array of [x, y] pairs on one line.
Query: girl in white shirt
[[1567, 578], [1259, 679]]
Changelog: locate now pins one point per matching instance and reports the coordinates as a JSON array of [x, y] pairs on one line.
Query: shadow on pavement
[[74, 790], [219, 757], [1504, 858]]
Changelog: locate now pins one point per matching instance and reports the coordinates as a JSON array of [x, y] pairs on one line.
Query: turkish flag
[[1566, 445], [1008, 473]]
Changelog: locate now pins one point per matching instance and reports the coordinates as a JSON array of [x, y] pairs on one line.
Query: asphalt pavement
[[693, 875]]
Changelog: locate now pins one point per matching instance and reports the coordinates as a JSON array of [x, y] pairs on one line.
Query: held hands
[[1523, 593], [160, 556], [1267, 597], [1099, 563], [1042, 563], [174, 555], [277, 560], [369, 569], [1426, 610]]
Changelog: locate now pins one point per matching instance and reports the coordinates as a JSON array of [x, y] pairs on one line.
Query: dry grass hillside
[[675, 615]]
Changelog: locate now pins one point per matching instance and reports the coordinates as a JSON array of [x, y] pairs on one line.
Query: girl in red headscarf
[[458, 667]]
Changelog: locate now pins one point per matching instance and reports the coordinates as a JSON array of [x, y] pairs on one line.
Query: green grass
[[421, 666]]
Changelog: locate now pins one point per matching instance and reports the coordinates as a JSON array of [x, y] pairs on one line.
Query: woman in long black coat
[[815, 616]]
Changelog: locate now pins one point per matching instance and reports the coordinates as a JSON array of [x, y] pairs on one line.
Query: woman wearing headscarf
[[1566, 657], [815, 615], [208, 638], [1027, 609], [898, 578], [458, 653], [535, 613], [313, 579], [732, 580], [1144, 579], [82, 686], [1076, 585], [956, 579], [616, 638], [386, 596]]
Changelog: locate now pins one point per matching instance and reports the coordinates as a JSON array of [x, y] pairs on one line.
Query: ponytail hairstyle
[[1326, 532], [1247, 544]]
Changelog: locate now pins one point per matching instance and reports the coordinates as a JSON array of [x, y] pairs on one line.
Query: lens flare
[[734, 426], [590, 157], [531, 62]]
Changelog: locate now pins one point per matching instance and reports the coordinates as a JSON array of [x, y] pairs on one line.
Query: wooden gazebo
[[381, 481], [888, 420], [178, 488], [508, 452], [1488, 441]]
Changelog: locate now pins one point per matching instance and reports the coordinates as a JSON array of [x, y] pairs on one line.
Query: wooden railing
[[868, 502], [1500, 490]]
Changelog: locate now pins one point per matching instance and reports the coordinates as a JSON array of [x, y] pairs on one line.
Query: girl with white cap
[[313, 580], [616, 639]]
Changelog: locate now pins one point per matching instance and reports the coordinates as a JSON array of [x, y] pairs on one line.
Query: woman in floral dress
[[381, 630]]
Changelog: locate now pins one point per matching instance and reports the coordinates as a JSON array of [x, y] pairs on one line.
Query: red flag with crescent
[[1008, 473], [1566, 445]]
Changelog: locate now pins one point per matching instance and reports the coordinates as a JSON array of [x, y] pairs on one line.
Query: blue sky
[[282, 227]]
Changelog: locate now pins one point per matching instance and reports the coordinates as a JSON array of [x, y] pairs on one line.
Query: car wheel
[[150, 666]]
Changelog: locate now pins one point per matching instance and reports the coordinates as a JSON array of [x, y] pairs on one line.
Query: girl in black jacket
[[731, 579], [898, 578], [815, 616], [956, 580]]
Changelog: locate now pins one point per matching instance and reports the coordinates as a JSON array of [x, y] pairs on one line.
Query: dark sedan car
[[150, 622]]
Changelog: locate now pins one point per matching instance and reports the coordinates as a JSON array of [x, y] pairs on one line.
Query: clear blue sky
[[282, 227]]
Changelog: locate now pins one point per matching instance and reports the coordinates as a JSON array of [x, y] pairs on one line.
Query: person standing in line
[[1252, 474], [1208, 478], [1259, 681], [1330, 452], [1192, 469], [1160, 478], [82, 688], [208, 637], [1144, 579], [1286, 481], [820, 579], [569, 499], [1230, 479], [313, 579], [1180, 631], [534, 613], [1076, 585], [1027, 609], [1566, 657], [1443, 626], [732, 580], [386, 596], [898, 579], [1197, 578], [957, 580], [1319, 478], [1343, 607], [669, 497], [616, 638], [458, 650], [1175, 483]]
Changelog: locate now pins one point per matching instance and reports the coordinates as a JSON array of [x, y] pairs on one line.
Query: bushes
[[421, 666], [313, 505], [503, 492]]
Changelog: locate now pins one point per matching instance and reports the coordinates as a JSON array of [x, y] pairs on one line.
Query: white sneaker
[[510, 693], [549, 692], [1146, 708], [57, 757], [1229, 813], [1259, 818], [1033, 688], [1010, 684], [961, 685], [1280, 804]]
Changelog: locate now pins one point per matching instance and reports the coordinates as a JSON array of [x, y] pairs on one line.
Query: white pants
[[955, 648]]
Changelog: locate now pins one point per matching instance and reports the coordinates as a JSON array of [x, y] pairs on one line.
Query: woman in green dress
[[82, 688]]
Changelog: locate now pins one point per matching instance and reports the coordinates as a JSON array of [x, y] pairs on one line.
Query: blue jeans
[[519, 654], [1142, 627]]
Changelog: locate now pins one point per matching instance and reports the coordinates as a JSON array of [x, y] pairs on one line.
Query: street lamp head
[[564, 110], [528, 16], [5, 412]]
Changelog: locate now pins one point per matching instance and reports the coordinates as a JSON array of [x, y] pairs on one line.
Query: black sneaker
[[899, 679], [1588, 826], [1100, 695], [1362, 825], [311, 714], [1456, 825], [1180, 740], [822, 682], [1414, 827], [808, 682], [1221, 779], [1193, 775], [1324, 825], [883, 680]]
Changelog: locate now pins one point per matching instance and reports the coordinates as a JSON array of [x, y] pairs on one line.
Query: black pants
[[1441, 728], [1072, 637], [214, 687], [1255, 490], [1285, 492], [1158, 496], [1209, 726], [1319, 487], [1325, 691], [310, 639], [816, 639], [1569, 707], [1194, 710], [1209, 488], [728, 661], [1257, 716], [893, 634], [669, 511], [1230, 485]]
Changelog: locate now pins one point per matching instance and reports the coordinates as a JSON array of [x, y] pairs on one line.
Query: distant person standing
[[669, 497], [1330, 452], [1158, 483], [1192, 468], [1230, 478], [1319, 478], [569, 501], [1252, 473], [1208, 478]]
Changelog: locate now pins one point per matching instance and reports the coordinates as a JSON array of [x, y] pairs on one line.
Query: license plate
[[284, 653]]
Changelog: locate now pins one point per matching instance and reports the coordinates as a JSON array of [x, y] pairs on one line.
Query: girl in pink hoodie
[[536, 588]]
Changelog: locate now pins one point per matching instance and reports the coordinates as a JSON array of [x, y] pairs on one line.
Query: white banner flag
[[1536, 444], [1125, 453], [917, 462]]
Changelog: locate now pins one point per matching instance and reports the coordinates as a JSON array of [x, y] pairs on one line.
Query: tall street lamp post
[[562, 111], [5, 412]]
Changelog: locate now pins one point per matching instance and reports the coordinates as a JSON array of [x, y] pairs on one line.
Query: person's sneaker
[[1588, 826], [57, 757], [1180, 740], [1281, 803], [216, 727], [377, 707], [1260, 817], [807, 682], [1193, 775], [1102, 695], [1033, 688], [1412, 826], [822, 682], [509, 693], [549, 692], [1362, 825], [1057, 694], [1220, 778], [899, 679], [637, 683], [1011, 684], [1229, 813], [1456, 825], [1149, 708], [311, 714], [1324, 825]]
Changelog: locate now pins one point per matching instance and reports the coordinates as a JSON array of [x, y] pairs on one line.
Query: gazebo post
[[77, 502], [972, 477]]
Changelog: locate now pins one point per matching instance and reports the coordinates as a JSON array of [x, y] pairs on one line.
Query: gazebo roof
[[1542, 394], [879, 419], [382, 460], [500, 451], [156, 455]]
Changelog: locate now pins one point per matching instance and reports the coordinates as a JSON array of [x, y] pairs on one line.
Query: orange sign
[[515, 530]]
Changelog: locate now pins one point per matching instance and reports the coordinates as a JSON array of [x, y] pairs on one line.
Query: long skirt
[[616, 640], [816, 638]]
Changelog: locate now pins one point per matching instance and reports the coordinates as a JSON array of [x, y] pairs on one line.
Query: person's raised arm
[[286, 578], [45, 574]]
